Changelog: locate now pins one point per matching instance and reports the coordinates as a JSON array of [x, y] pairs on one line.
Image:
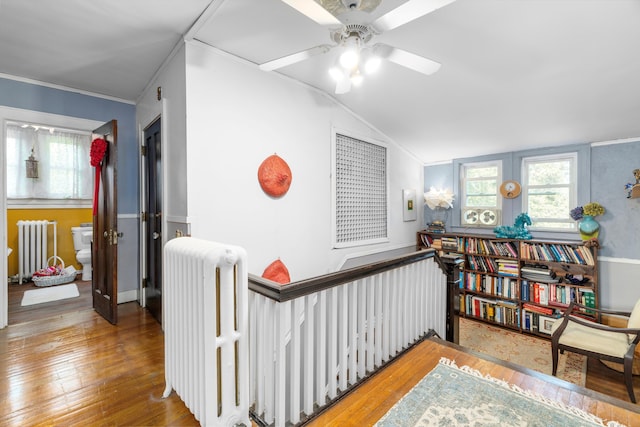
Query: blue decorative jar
[[589, 228]]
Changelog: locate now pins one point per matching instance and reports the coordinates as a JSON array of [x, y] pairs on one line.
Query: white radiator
[[33, 242], [205, 320]]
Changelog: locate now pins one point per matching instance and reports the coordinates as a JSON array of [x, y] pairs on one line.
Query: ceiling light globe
[[372, 64], [349, 59], [356, 78], [336, 73]]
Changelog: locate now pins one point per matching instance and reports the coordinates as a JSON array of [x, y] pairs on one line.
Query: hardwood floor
[[77, 369], [375, 397], [19, 314]]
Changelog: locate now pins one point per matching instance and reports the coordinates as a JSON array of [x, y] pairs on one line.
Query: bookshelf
[[522, 285]]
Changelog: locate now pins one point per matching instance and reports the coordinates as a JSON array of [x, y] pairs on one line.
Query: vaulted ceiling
[[515, 74]]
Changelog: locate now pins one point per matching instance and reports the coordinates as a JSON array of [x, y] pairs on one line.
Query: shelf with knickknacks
[[439, 201], [633, 190]]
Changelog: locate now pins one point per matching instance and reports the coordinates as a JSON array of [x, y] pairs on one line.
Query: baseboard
[[127, 296]]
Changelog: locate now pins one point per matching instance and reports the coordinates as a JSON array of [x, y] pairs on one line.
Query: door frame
[[143, 193], [19, 114]]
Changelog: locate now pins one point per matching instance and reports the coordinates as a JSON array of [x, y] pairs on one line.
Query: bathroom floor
[[19, 314]]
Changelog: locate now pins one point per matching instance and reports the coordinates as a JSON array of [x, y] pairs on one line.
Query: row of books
[[498, 311], [452, 243], [539, 274], [490, 247], [552, 294], [441, 242], [557, 252], [505, 267], [504, 287]]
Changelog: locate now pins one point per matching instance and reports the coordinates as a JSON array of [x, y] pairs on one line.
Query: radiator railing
[[313, 340], [33, 246]]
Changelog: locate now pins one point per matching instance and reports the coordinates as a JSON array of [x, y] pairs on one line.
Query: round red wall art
[[274, 176]]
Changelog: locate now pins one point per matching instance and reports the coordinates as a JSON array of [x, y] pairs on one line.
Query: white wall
[[172, 108], [238, 115]]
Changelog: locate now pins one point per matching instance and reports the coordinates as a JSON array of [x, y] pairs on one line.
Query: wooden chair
[[579, 335]]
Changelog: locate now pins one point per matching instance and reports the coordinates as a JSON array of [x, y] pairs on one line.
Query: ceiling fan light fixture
[[370, 62], [336, 73], [351, 55], [356, 78]]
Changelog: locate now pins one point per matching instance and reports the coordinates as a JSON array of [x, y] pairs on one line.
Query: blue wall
[[27, 96], [608, 168]]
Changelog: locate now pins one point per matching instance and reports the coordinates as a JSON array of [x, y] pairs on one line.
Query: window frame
[[463, 181], [574, 157]]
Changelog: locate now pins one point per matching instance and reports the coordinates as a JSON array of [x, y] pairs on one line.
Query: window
[[480, 183], [360, 192], [550, 190], [64, 171]]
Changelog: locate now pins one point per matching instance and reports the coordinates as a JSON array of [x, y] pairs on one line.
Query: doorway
[[65, 216], [152, 219]]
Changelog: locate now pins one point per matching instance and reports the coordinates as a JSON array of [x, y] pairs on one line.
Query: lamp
[[439, 201], [32, 166]]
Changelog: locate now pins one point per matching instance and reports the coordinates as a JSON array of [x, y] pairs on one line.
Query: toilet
[[82, 237]]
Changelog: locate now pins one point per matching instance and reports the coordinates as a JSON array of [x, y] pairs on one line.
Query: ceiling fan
[[351, 30]]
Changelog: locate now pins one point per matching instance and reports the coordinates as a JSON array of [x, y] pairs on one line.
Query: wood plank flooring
[[77, 369], [19, 314], [376, 396]]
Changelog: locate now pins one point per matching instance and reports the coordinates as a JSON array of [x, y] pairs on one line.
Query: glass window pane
[[551, 190], [481, 172], [547, 173]]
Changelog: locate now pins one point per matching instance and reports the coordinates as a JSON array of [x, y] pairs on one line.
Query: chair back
[[634, 317]]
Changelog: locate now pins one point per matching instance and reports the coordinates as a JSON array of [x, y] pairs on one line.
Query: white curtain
[[63, 163]]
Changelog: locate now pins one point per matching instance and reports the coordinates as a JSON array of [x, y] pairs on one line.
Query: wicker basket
[[58, 279]]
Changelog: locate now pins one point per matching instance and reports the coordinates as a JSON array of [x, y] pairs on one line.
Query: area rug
[[461, 396], [522, 349], [53, 293]]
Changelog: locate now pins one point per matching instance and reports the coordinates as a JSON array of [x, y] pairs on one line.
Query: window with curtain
[[64, 171]]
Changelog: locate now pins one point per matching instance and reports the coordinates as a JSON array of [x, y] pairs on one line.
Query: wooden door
[[152, 220], [104, 250]]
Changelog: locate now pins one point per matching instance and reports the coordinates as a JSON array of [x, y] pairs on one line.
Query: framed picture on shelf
[[545, 324]]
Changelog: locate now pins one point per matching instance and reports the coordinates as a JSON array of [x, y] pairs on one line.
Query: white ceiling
[[515, 74]]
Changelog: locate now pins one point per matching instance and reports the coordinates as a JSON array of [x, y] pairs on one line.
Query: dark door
[[153, 219], [105, 229]]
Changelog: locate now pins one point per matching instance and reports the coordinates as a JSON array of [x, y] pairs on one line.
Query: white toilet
[[82, 237]]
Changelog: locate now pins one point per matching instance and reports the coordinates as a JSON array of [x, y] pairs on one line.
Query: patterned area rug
[[525, 350], [453, 396]]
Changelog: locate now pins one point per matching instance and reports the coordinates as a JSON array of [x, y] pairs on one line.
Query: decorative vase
[[589, 228]]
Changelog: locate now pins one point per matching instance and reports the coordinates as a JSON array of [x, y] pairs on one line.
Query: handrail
[[281, 293]]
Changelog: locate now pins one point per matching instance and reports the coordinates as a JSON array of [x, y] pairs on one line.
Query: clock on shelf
[[510, 189]]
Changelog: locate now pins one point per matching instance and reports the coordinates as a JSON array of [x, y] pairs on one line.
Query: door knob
[[156, 235]]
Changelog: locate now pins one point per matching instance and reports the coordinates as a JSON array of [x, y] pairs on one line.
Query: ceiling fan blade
[[407, 12], [296, 57], [406, 59], [343, 86], [313, 11]]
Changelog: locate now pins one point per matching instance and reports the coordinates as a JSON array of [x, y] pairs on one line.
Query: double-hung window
[[550, 190], [480, 204]]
